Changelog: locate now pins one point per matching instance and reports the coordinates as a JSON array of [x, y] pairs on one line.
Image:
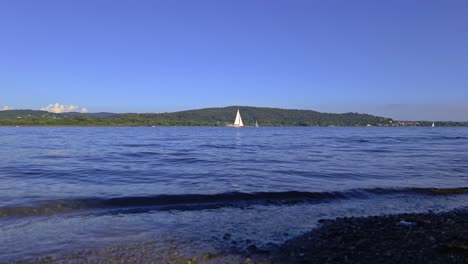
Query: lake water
[[69, 189]]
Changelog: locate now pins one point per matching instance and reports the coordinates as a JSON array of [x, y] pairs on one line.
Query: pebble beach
[[403, 238]]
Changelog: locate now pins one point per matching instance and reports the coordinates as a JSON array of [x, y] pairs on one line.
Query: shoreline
[[402, 238], [264, 126]]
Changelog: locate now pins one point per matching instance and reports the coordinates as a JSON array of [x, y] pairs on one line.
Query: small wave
[[353, 140], [168, 202], [187, 160], [145, 145], [425, 191], [451, 138], [441, 191], [217, 146], [141, 154], [139, 204], [377, 150]]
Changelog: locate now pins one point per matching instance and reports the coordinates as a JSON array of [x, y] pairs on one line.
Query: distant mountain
[[269, 117], [200, 117], [99, 114], [39, 113], [22, 113]]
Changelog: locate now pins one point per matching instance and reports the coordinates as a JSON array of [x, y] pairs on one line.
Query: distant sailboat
[[256, 123], [238, 122], [433, 124]]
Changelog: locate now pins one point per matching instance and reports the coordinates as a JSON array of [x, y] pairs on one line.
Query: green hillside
[[200, 117], [24, 113], [267, 117], [39, 113]]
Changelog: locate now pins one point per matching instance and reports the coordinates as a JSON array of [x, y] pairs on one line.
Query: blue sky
[[405, 59]]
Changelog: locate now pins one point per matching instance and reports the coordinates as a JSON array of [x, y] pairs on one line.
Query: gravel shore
[[405, 238]]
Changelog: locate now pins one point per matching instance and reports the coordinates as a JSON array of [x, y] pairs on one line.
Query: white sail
[[433, 124], [256, 124], [238, 121]]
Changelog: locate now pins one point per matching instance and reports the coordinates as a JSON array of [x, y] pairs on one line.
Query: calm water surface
[[63, 189]]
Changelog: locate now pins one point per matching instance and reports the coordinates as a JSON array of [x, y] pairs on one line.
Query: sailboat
[[433, 124], [238, 122], [256, 123]]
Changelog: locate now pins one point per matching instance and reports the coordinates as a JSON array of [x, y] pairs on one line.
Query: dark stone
[[227, 236], [437, 238], [252, 248]]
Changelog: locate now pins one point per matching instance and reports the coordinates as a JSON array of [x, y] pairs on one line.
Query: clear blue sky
[[405, 59]]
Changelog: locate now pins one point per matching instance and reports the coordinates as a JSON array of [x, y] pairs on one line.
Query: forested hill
[[40, 113], [200, 117], [268, 117]]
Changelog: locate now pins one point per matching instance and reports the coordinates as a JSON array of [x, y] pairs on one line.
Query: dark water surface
[[66, 189]]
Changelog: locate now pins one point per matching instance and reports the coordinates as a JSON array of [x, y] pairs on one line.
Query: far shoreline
[[19, 126], [213, 117]]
